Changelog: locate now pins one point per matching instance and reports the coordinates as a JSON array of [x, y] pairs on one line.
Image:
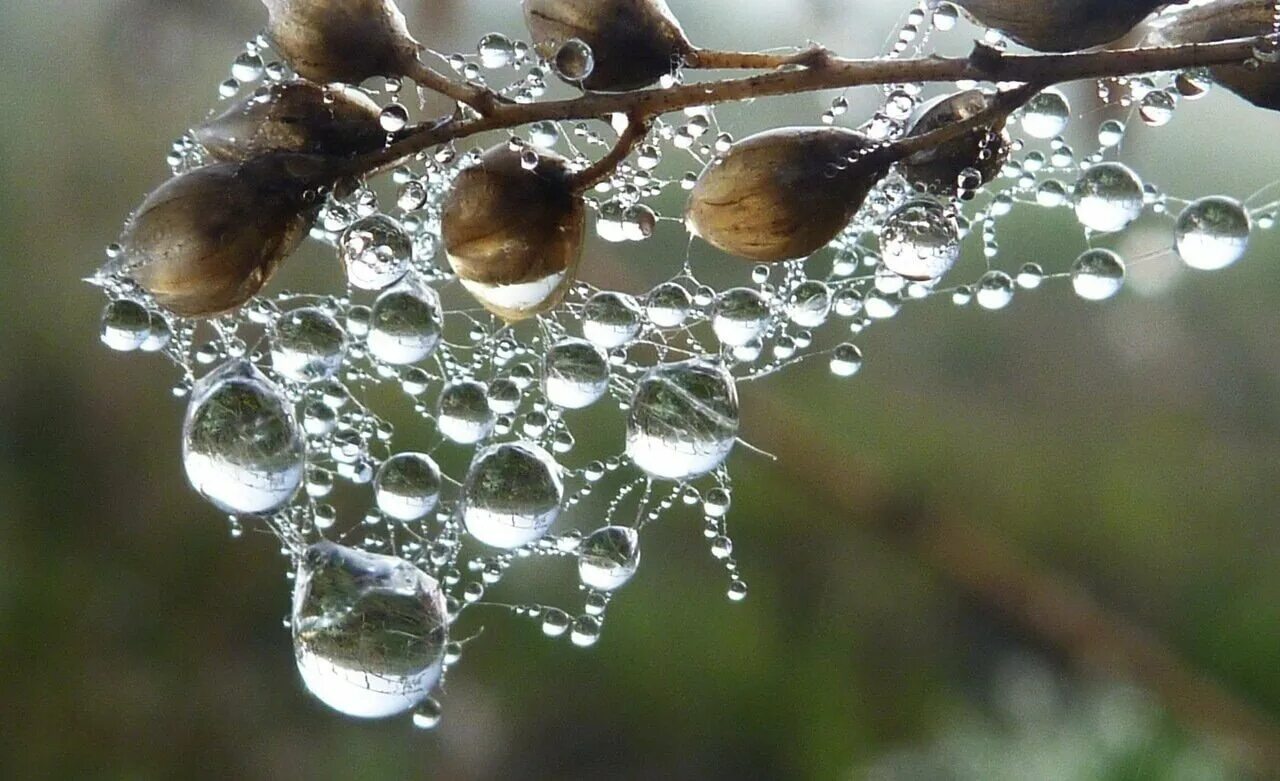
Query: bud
[[342, 40], [784, 193], [207, 241], [633, 42], [1257, 82], [295, 116], [985, 150], [1062, 25], [514, 235]]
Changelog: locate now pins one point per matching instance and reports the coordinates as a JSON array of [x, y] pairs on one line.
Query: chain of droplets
[[785, 314]]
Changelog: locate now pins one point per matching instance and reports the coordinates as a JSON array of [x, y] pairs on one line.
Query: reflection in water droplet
[[406, 324], [740, 316], [376, 251], [512, 495], [611, 319], [307, 345], [608, 557], [683, 419], [407, 486], [1108, 197], [575, 374], [368, 631], [1212, 233], [464, 414], [240, 445], [1097, 275], [920, 240]]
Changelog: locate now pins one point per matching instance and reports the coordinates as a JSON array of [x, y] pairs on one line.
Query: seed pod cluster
[[342, 40], [784, 193], [207, 241], [1062, 25], [633, 42], [295, 116], [514, 235], [984, 150], [1258, 82]]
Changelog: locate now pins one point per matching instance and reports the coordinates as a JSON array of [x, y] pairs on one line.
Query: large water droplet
[[668, 305], [1212, 233], [512, 495], [1098, 274], [574, 61], [407, 486], [1046, 115], [741, 315], [307, 345], [464, 414], [920, 240], [609, 557], [683, 419], [369, 631], [376, 251], [575, 374], [126, 325], [405, 324], [1108, 197], [240, 445], [611, 319]]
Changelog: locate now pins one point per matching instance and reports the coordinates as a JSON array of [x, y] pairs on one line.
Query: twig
[[482, 99], [635, 132], [985, 64]]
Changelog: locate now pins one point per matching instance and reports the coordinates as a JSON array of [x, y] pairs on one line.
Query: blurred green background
[[1126, 451]]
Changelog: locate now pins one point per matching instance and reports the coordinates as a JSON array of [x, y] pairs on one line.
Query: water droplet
[[464, 415], [608, 557], [126, 325], [1108, 196], [240, 445], [994, 290], [407, 486], [512, 495], [611, 319], [428, 714], [1098, 274], [574, 61], [307, 345], [683, 419], [920, 240], [1212, 233], [1046, 115], [405, 324], [575, 374], [846, 360], [376, 251], [741, 316], [496, 51], [369, 631], [555, 622], [585, 631], [1157, 107], [668, 305], [1110, 133], [394, 118], [810, 304]]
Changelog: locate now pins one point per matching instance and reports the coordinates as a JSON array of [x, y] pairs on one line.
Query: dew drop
[[575, 374], [741, 316], [1098, 274], [574, 61], [376, 251], [920, 241], [1108, 196], [126, 325], [683, 419], [609, 557], [611, 320], [405, 324], [512, 495], [1046, 115], [1212, 233], [994, 291], [464, 415], [307, 345], [407, 486]]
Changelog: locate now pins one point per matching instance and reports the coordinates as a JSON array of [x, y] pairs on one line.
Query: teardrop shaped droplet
[[241, 447]]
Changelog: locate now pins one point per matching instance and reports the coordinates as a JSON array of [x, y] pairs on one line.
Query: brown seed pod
[[783, 193], [514, 236], [207, 241], [342, 40], [633, 42], [1223, 20], [295, 116], [985, 149], [1062, 25]]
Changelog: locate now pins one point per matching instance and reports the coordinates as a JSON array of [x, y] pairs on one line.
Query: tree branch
[[637, 129], [482, 99], [985, 64]]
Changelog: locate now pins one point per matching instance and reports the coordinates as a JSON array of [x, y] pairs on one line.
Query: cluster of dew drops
[[279, 393]]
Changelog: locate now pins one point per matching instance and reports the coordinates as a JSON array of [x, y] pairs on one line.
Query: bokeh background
[[1028, 545]]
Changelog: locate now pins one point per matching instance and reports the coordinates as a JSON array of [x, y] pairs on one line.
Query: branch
[[482, 99], [637, 129], [984, 64]]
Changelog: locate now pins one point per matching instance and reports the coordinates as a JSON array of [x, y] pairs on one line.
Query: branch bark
[[826, 73]]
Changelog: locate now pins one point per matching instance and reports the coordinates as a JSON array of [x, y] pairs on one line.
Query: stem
[[637, 129], [712, 59], [984, 64], [479, 98]]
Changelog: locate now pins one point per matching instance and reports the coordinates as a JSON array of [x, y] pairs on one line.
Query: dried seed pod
[[985, 150], [1258, 82], [207, 241], [342, 40], [514, 235], [1062, 25], [633, 42], [295, 116], [784, 193]]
